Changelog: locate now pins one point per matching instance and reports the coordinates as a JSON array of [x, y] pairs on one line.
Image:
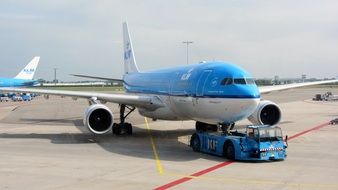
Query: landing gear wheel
[[200, 126], [213, 128], [119, 129], [129, 128], [229, 151], [116, 129], [195, 143]]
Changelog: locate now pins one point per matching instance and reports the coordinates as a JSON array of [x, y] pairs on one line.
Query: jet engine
[[98, 118], [266, 113]]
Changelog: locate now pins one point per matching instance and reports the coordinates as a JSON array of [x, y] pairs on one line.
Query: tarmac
[[44, 145]]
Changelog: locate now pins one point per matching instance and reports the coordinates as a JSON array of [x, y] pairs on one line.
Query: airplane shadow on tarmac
[[168, 145]]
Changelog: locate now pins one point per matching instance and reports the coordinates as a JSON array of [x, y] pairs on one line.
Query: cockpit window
[[250, 81], [227, 81], [239, 81]]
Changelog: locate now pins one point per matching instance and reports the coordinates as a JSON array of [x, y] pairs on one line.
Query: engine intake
[[98, 118], [266, 113]]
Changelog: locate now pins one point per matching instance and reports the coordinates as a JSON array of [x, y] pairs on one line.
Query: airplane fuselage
[[12, 82], [213, 92]]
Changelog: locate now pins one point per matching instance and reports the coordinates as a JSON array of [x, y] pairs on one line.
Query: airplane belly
[[214, 110], [166, 112], [183, 105]]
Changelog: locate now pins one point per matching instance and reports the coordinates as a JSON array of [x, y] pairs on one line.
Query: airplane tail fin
[[29, 70], [130, 65]]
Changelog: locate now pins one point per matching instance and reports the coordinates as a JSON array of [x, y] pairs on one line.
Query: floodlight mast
[[187, 42]]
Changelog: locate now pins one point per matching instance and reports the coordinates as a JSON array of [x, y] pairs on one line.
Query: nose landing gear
[[200, 126], [227, 127]]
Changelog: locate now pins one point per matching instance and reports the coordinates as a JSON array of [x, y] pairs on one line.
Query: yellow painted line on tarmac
[[157, 158]]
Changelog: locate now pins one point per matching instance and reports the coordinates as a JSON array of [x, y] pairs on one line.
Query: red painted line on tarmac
[[202, 172], [309, 130]]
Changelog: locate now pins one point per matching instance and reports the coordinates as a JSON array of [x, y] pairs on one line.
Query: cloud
[[22, 17]]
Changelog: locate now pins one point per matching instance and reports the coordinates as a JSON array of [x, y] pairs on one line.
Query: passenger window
[[226, 81]]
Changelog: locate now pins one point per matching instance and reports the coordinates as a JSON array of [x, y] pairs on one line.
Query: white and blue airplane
[[211, 93], [24, 78]]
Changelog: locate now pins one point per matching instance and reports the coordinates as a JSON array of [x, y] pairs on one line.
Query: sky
[[286, 38]]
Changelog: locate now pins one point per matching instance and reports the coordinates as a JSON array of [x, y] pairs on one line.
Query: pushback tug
[[258, 142]]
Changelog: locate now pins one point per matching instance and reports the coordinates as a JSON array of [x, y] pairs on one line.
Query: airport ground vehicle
[[16, 98], [4, 98], [318, 97], [328, 96], [334, 121], [10, 95], [26, 97], [33, 95], [258, 142]]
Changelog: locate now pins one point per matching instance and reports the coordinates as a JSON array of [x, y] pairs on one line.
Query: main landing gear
[[123, 127]]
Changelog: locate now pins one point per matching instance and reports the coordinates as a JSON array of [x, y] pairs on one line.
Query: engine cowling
[[266, 113], [98, 118]]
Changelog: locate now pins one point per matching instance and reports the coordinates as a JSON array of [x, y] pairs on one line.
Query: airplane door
[[202, 81]]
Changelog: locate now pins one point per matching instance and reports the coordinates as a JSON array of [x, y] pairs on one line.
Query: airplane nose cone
[[247, 103], [248, 91], [242, 108]]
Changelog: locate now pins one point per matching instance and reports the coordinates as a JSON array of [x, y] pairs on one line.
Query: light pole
[[188, 42], [55, 75]]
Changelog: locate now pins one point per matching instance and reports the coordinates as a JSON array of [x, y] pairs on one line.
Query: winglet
[[130, 65], [29, 71]]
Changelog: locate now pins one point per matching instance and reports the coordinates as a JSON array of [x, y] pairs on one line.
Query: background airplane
[[24, 78], [214, 94]]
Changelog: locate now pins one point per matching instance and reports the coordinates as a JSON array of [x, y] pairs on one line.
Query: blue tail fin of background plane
[[28, 72]]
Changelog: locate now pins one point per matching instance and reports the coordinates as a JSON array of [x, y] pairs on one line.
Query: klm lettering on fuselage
[[187, 75]]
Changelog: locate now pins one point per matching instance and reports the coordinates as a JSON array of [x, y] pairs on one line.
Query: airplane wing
[[95, 77], [267, 89], [144, 101]]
